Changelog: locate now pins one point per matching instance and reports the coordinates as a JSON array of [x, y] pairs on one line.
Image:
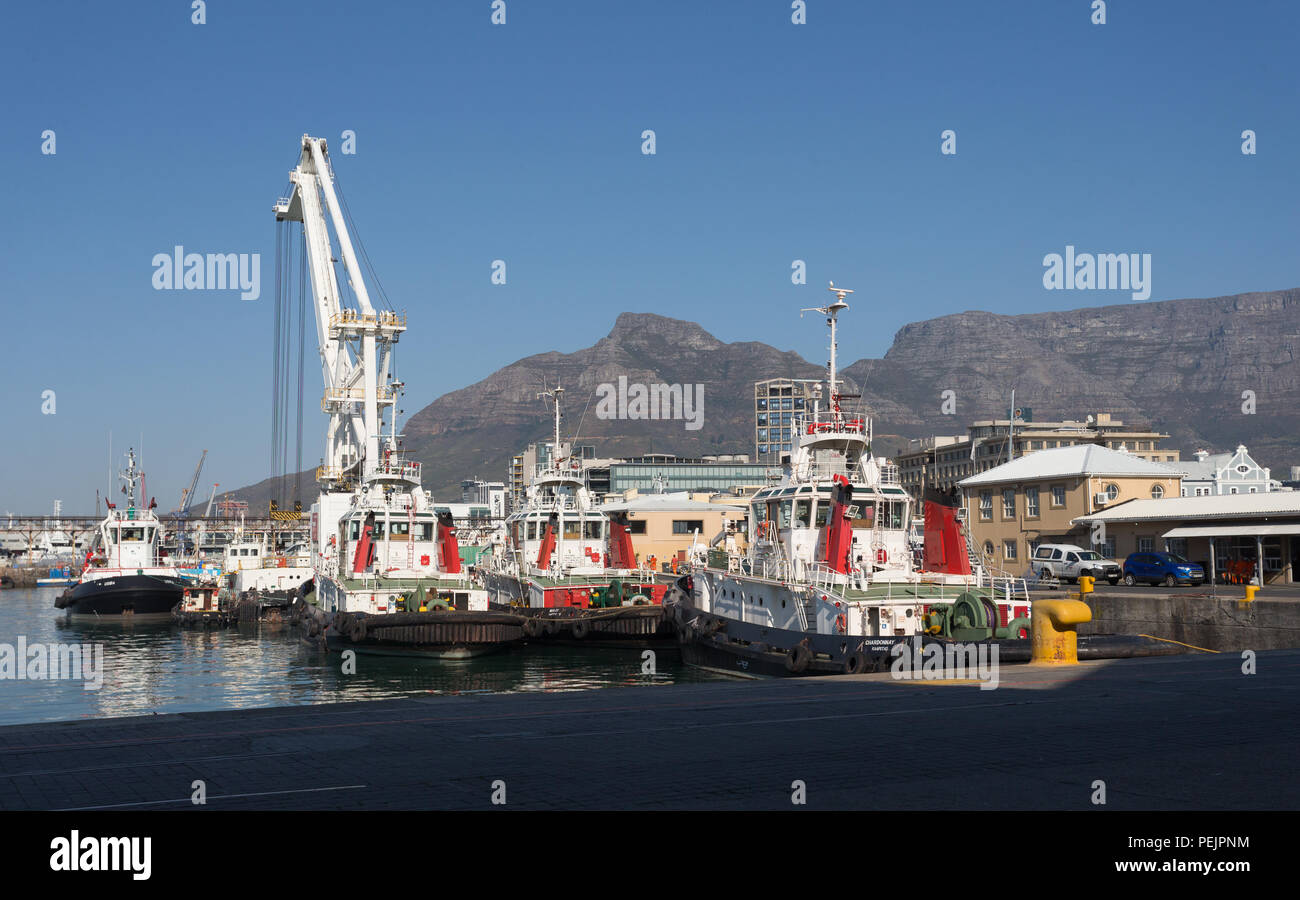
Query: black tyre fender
[[532, 626], [798, 658], [855, 663], [357, 633], [581, 628]]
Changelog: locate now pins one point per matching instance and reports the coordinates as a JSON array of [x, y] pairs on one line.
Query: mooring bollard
[[1054, 637], [1250, 593], [1085, 587]]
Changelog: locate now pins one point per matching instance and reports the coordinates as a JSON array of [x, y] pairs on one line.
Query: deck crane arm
[[355, 344]]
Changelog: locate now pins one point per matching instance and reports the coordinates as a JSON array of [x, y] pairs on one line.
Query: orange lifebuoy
[[841, 623]]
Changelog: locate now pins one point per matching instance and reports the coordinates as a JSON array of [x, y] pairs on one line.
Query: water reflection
[[155, 668]]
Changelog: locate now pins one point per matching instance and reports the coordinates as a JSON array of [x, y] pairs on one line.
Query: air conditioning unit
[[1101, 499]]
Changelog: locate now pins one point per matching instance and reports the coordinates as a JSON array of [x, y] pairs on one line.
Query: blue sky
[[522, 142]]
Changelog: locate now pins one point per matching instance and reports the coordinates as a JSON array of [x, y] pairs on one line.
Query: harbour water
[[164, 669]]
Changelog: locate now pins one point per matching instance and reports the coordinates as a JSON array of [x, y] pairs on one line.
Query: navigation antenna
[[831, 312]]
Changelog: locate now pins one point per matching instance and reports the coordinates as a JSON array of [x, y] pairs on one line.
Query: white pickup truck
[[1069, 562]]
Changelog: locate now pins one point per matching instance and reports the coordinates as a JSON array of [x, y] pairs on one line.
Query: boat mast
[[831, 312], [555, 396]]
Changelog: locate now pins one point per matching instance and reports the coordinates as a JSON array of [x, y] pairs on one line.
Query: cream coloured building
[[1037, 499], [663, 526]]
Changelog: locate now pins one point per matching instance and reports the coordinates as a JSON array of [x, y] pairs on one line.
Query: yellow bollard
[[1250, 593], [1085, 586], [1054, 637]]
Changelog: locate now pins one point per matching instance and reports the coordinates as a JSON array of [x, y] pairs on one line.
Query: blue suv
[[1162, 568]]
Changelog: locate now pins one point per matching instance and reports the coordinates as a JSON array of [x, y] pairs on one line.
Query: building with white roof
[[1037, 499], [1253, 535]]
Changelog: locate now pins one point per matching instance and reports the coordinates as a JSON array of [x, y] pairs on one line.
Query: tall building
[[776, 402], [941, 462]]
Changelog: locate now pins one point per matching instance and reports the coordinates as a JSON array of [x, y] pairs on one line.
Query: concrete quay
[[1168, 733]]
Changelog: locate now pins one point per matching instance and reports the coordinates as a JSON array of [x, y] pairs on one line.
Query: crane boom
[[355, 344], [187, 495]]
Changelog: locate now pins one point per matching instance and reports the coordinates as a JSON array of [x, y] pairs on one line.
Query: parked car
[[1162, 568], [1069, 562]]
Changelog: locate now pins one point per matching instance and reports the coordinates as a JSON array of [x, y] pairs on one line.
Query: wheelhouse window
[[572, 529], [785, 515], [593, 529], [802, 513]]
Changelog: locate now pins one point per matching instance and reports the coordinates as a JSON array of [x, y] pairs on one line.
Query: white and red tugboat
[[830, 583], [570, 565], [386, 571]]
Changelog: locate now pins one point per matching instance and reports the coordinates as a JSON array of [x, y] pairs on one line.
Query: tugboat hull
[[135, 597]]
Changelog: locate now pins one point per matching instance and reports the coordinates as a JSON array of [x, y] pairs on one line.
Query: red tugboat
[[569, 564]]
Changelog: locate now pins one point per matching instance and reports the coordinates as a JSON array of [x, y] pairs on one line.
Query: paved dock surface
[[1188, 732]]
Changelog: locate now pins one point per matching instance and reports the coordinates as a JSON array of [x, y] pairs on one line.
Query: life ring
[[882, 556], [798, 658], [841, 624], [581, 628], [640, 600]]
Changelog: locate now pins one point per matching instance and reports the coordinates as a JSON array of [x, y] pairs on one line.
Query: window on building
[[1058, 495], [1009, 503], [1146, 544], [988, 549], [1157, 492], [986, 507], [1031, 502], [1112, 491], [690, 526], [1009, 550], [636, 526]]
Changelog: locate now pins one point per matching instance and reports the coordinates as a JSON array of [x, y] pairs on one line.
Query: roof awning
[[1233, 530]]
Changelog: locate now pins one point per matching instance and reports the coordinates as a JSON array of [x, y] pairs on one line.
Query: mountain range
[[1212, 372]]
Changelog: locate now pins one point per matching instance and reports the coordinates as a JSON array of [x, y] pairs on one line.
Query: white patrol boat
[[830, 582], [124, 576]]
